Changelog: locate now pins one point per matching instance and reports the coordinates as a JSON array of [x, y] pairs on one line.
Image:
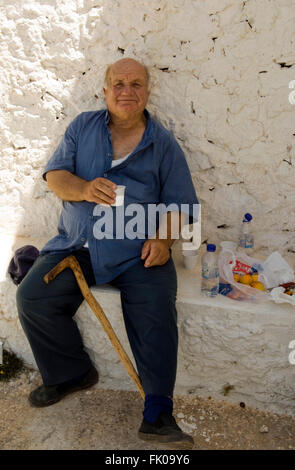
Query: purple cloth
[[22, 262]]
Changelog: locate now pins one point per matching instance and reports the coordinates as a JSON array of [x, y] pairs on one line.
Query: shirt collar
[[149, 131]]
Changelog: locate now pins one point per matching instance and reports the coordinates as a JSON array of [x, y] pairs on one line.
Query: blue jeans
[[148, 298]]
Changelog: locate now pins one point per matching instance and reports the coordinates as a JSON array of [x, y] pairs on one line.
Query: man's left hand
[[155, 252]]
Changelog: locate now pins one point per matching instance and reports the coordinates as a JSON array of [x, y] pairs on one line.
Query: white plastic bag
[[278, 296], [276, 271], [238, 262]]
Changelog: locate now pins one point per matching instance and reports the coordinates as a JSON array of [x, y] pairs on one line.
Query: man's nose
[[127, 89]]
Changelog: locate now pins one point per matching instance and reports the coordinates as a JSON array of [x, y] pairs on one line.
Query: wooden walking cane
[[72, 262]]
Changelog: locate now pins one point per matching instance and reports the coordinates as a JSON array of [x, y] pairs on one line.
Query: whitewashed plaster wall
[[220, 71]]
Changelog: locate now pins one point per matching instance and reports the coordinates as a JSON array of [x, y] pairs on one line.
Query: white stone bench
[[227, 349]]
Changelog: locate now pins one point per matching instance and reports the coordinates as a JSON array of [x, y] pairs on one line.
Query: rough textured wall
[[220, 69]]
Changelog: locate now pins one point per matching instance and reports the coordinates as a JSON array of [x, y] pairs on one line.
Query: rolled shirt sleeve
[[176, 182], [64, 157]]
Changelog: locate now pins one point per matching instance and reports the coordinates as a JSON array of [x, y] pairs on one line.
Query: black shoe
[[46, 396], [165, 430]]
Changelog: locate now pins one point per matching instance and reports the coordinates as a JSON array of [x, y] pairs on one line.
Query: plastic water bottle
[[210, 273], [246, 239]]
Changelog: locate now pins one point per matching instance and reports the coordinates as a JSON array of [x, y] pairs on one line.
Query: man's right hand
[[70, 187], [100, 190]]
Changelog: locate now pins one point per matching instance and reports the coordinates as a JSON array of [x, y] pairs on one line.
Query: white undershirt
[[114, 163], [119, 160]]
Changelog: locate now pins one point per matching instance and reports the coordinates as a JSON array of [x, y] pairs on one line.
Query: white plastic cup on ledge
[[230, 247], [190, 255], [189, 249], [190, 261]]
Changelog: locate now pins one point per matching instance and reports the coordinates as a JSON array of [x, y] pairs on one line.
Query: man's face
[[127, 92]]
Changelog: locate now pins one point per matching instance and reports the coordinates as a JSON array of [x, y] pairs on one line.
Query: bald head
[[126, 90], [125, 65]]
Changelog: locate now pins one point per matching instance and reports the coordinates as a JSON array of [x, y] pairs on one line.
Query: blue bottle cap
[[211, 247], [247, 217]]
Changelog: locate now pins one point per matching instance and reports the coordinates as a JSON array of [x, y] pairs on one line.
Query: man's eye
[[137, 85]]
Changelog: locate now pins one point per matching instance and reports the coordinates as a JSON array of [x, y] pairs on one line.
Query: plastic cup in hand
[[120, 191]]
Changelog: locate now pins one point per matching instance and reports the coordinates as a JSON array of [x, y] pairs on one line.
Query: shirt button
[[105, 174]]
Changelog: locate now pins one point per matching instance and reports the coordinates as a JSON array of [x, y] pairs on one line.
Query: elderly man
[[120, 145]]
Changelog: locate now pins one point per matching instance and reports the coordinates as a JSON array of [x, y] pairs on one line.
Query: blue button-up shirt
[[155, 172]]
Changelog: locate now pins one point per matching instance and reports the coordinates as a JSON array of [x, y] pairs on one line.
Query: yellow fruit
[[258, 285], [237, 277], [246, 279], [254, 277]]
